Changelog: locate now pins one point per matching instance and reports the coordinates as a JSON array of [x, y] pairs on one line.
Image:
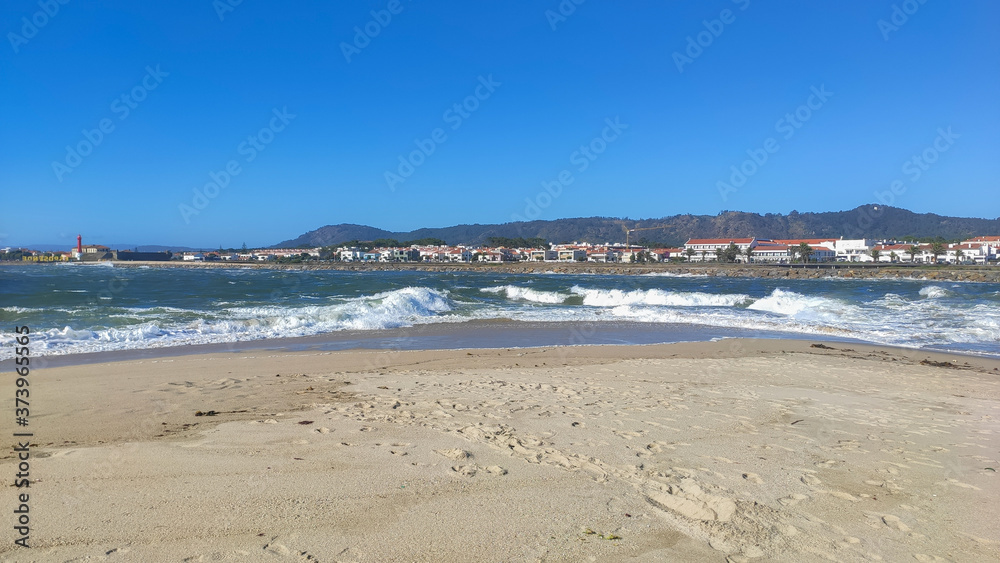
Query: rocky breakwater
[[989, 274]]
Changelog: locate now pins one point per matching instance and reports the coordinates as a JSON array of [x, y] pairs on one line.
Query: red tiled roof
[[720, 240], [809, 241]]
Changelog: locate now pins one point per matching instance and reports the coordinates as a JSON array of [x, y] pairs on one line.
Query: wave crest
[[934, 292], [617, 298], [526, 294]]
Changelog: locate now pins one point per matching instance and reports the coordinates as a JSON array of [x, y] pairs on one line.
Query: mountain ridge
[[866, 221]]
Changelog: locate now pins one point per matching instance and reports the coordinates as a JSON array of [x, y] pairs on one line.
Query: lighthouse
[[78, 251]]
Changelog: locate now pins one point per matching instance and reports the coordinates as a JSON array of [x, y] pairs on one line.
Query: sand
[[737, 450]]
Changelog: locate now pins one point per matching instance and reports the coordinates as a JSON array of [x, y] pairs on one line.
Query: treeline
[[389, 242], [517, 242], [13, 255]]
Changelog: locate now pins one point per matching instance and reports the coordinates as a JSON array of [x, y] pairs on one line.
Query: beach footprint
[[811, 480], [895, 523], [792, 500]]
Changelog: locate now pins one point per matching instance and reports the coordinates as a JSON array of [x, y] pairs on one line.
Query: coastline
[[736, 449], [492, 334], [842, 270]]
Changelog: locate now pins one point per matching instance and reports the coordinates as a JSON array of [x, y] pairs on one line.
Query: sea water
[[74, 309]]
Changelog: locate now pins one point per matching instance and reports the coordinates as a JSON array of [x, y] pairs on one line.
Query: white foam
[[617, 297], [526, 294], [802, 307], [401, 307], [914, 316], [673, 275], [934, 292]]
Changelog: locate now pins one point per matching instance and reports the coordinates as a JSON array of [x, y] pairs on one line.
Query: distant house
[[458, 255], [891, 252], [853, 250], [977, 253], [770, 252], [93, 253], [599, 255], [571, 255], [432, 253], [95, 249], [664, 254], [705, 248], [540, 255], [294, 252], [351, 254], [405, 255]]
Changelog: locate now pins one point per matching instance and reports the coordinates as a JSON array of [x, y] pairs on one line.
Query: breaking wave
[[617, 297]]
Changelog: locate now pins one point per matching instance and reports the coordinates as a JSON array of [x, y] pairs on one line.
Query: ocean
[[74, 308]]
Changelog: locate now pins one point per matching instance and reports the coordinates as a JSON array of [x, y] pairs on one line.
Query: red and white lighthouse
[[79, 244]]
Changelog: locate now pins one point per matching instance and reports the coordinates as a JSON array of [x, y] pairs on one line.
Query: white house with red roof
[[976, 252], [664, 254], [461, 254], [705, 247], [769, 251]]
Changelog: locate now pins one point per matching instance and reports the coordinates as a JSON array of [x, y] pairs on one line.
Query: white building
[[458, 255], [540, 255], [974, 252], [352, 254], [705, 248], [770, 252], [292, 252], [853, 250], [571, 255]]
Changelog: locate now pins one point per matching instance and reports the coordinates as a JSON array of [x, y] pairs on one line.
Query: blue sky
[[183, 88]]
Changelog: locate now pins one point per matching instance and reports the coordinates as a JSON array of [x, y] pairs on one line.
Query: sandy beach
[[738, 450]]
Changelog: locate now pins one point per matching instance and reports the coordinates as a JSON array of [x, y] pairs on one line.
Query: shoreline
[[737, 449], [481, 334], [843, 270]]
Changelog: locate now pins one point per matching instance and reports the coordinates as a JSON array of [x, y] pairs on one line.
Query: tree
[[749, 254], [244, 248], [937, 249], [704, 253], [893, 257], [792, 251], [912, 251], [690, 252], [730, 253], [958, 255], [719, 254], [805, 251], [875, 254]]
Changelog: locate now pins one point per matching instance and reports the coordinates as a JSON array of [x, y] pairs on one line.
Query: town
[[751, 250]]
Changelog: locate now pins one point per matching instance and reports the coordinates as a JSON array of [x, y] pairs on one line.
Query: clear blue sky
[[220, 80]]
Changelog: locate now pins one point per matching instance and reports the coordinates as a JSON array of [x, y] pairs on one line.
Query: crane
[[630, 231]]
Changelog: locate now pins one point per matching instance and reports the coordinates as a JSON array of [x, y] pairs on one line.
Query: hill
[[868, 221]]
